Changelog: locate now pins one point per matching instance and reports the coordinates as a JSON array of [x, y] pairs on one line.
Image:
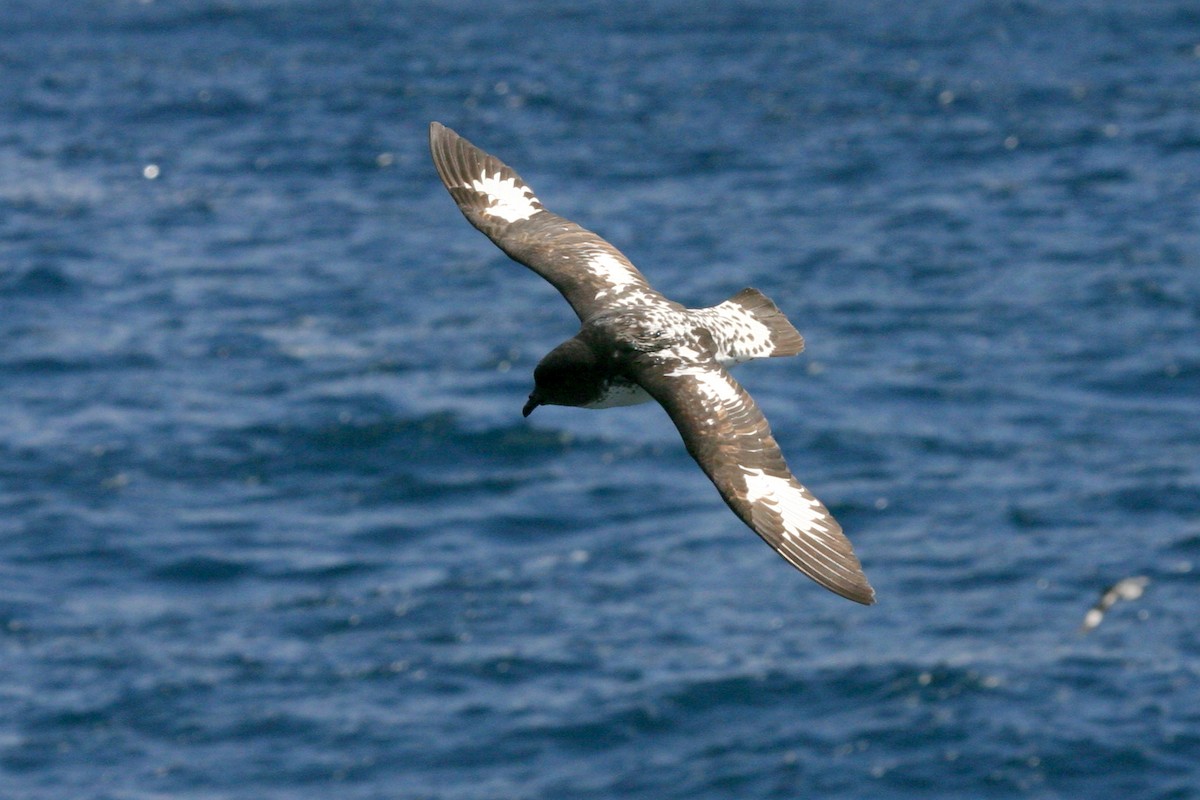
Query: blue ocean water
[[271, 523]]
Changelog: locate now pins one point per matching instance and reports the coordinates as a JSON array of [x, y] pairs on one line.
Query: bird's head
[[567, 376]]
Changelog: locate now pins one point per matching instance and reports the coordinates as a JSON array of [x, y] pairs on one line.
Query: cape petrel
[[636, 345]]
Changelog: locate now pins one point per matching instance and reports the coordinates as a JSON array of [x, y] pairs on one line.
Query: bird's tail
[[748, 325]]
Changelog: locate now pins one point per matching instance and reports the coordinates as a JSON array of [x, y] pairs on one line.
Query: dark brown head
[[567, 376]]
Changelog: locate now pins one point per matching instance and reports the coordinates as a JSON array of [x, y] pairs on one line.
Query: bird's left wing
[[591, 274], [728, 436]]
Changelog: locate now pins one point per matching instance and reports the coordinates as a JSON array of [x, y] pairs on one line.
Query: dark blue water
[[271, 523]]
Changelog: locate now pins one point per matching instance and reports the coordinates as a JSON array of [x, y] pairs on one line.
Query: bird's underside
[[636, 344]]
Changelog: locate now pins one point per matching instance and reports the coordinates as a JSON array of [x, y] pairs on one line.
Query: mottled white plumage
[[738, 335], [635, 345]]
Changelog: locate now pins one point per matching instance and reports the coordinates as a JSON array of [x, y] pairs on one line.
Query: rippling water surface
[[272, 526]]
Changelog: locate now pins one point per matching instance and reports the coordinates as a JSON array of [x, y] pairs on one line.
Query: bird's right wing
[[590, 273], [729, 437]]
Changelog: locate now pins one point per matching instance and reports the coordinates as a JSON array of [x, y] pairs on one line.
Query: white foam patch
[[801, 512], [511, 201]]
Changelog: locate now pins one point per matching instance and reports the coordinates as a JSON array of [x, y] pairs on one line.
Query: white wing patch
[[511, 201], [710, 382], [809, 534], [717, 390], [800, 511], [612, 271]]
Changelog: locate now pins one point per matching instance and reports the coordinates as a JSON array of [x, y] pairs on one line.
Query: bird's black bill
[[529, 406]]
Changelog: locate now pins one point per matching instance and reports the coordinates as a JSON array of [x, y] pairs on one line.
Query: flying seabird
[[1125, 589], [635, 345]]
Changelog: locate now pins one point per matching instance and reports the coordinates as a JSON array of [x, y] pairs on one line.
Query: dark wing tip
[[442, 144], [819, 549], [864, 594], [451, 159]]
